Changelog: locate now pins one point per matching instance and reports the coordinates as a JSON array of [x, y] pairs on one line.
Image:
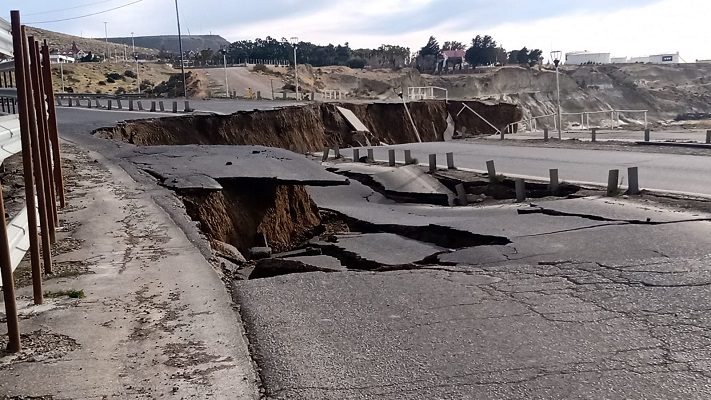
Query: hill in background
[[60, 42], [170, 42]]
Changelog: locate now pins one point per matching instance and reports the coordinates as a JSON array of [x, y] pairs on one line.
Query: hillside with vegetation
[[60, 43]]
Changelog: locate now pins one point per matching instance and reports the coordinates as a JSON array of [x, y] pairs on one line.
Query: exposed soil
[[313, 127], [286, 215]]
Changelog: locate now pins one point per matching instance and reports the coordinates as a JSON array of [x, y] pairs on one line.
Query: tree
[[454, 45], [483, 51], [431, 48], [522, 57]]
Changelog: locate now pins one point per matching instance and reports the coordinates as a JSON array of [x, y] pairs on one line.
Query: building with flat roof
[[586, 57]]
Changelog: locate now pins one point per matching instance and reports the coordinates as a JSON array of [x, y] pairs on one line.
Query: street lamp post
[[294, 42], [555, 55], [180, 44], [133, 44], [106, 37], [138, 78], [223, 50]]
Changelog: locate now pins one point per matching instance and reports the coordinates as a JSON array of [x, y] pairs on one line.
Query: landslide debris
[[241, 212], [312, 127]]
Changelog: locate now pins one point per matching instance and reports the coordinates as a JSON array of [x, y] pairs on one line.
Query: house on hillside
[[453, 58]]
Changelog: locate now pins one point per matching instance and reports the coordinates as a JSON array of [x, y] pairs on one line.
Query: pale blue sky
[[622, 27]]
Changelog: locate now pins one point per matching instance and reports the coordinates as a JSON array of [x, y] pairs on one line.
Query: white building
[[619, 60], [642, 60], [667, 58], [58, 58], [586, 57]]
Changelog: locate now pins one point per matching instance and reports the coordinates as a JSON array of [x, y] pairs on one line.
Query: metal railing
[[532, 123], [32, 132]]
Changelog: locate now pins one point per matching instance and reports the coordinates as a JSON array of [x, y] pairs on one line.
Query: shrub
[[102, 83], [260, 68], [110, 80], [120, 90], [356, 63], [114, 76], [129, 74], [145, 85]]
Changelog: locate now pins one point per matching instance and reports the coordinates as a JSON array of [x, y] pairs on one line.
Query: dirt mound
[[312, 127], [286, 215]]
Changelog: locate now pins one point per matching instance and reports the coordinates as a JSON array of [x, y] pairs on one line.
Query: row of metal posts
[[41, 167], [7, 104], [520, 184]]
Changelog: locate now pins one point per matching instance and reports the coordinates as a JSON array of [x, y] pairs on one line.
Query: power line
[[66, 9], [83, 16]]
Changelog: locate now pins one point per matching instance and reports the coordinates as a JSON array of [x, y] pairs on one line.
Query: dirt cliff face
[[286, 215], [312, 127]]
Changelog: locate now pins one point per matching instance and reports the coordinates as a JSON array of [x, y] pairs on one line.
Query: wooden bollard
[[612, 178], [356, 155], [708, 137], [391, 157], [109, 105], [593, 133], [633, 178], [371, 156], [433, 163], [491, 170], [140, 105], [646, 135], [554, 185], [161, 106], [187, 106], [450, 161], [175, 107], [153, 106], [545, 134], [461, 194], [520, 190], [408, 157], [325, 154], [130, 105], [337, 152], [118, 104]]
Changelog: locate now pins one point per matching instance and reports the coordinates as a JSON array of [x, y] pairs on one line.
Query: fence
[[531, 124], [425, 93], [29, 129]]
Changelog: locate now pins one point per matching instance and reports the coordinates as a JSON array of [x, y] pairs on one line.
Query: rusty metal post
[[46, 150], [8, 285], [25, 136], [36, 162], [53, 129], [42, 138]]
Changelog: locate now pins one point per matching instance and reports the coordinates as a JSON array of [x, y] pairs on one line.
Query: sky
[[620, 27]]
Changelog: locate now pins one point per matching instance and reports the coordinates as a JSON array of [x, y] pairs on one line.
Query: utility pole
[[106, 36], [555, 55], [180, 43], [133, 44], [138, 78], [223, 50], [295, 42]]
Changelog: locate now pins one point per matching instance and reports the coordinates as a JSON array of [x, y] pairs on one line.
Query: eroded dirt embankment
[[286, 215], [312, 127]]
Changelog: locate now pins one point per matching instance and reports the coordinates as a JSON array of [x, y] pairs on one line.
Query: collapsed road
[[360, 288]]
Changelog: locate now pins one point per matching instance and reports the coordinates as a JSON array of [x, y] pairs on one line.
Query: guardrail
[[33, 133], [532, 123]]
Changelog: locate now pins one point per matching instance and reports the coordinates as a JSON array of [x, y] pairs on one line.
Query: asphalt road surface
[[668, 172]]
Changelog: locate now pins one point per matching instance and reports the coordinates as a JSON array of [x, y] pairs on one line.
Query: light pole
[[133, 44], [138, 79], [106, 37], [180, 44], [555, 55], [294, 43], [223, 50]]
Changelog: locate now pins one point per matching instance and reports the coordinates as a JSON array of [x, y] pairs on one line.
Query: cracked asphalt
[[591, 298]]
